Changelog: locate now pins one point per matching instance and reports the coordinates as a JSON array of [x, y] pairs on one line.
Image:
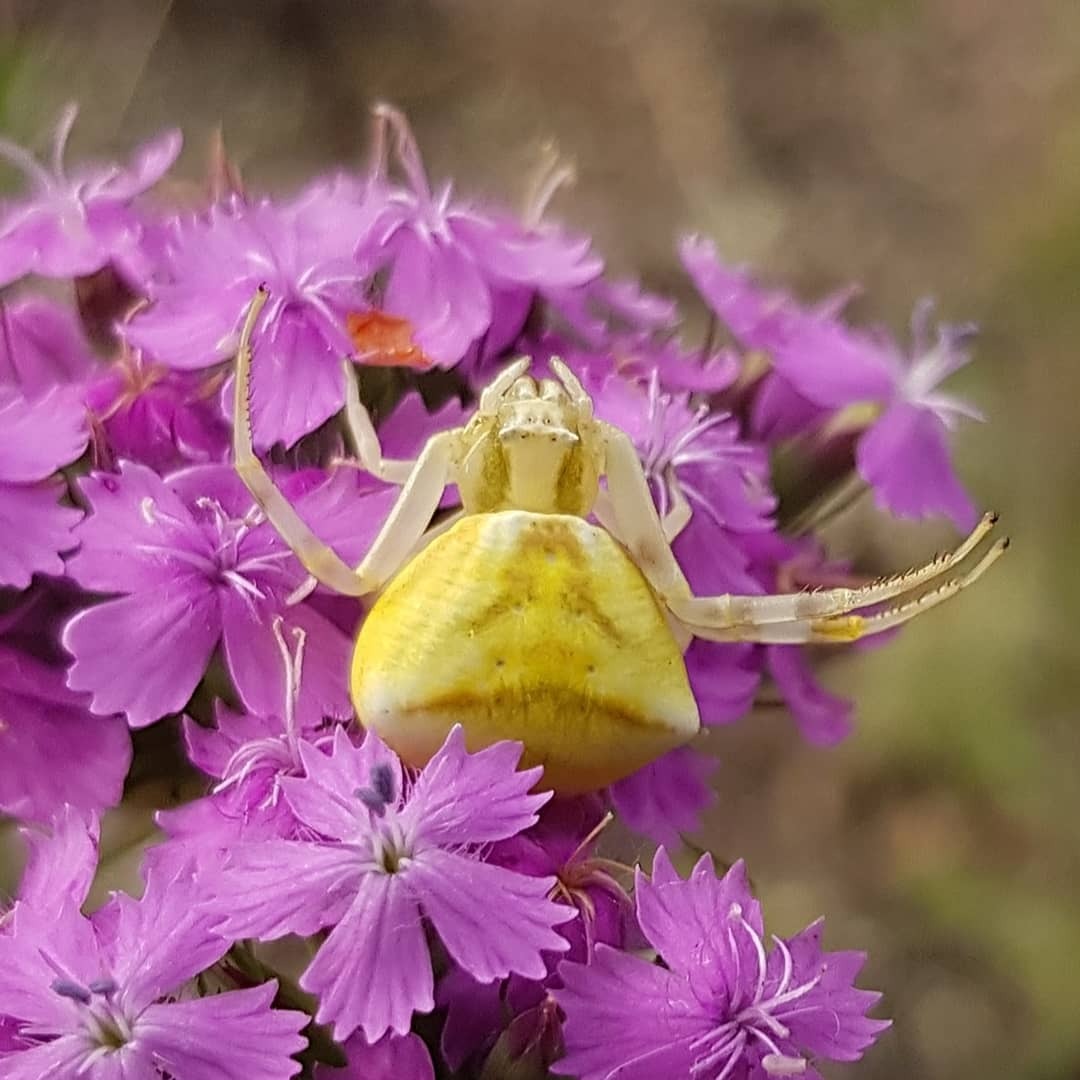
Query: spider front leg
[[364, 439], [401, 531], [788, 618]]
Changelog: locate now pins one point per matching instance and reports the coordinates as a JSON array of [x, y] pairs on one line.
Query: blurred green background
[[916, 147]]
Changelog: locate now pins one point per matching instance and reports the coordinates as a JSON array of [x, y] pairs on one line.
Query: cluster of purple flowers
[[139, 579]]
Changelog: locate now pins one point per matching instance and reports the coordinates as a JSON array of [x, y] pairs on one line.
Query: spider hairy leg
[[787, 618], [844, 628], [363, 438], [401, 531], [320, 561], [764, 610]]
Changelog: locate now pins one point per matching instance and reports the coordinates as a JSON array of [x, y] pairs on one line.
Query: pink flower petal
[[373, 971], [231, 1036], [823, 718], [61, 864], [144, 654], [290, 398], [54, 751], [41, 346], [36, 529], [393, 1057], [160, 941], [439, 289], [149, 163], [666, 798], [61, 1058], [439, 802], [598, 999], [678, 916], [37, 437], [254, 659], [131, 539], [325, 798], [276, 887], [904, 457], [492, 921]]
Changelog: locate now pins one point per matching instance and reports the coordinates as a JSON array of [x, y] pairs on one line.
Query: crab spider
[[522, 619]]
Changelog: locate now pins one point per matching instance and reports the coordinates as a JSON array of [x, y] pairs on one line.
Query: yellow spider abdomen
[[534, 627]]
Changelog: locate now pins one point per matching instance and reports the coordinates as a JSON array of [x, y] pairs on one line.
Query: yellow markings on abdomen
[[534, 627]]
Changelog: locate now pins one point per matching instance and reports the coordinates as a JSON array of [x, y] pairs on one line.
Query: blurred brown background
[[916, 147]]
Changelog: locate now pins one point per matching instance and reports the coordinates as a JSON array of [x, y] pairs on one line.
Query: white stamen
[[782, 1065]]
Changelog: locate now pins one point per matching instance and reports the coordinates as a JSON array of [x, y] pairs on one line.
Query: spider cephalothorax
[[531, 446], [521, 618]]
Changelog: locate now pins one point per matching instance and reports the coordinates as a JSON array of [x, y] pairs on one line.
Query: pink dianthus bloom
[[903, 452], [723, 1007], [302, 251], [450, 265], [386, 852], [107, 997], [77, 220], [195, 564]]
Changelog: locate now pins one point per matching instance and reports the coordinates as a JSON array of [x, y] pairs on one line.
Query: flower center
[[391, 848], [754, 1019], [108, 1027]]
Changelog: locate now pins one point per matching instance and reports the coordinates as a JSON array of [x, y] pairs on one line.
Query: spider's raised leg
[[835, 629], [788, 617], [363, 437], [403, 528]]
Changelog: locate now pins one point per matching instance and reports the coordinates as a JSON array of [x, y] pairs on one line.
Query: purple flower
[[393, 1057], [723, 1006], [104, 998], [36, 438], [161, 418], [53, 749], [691, 454], [195, 564], [41, 346], [388, 853], [903, 453], [78, 220], [563, 843], [249, 755], [449, 262], [303, 252], [758, 318]]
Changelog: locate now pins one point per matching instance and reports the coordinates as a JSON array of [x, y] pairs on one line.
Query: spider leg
[[320, 561], [572, 384], [826, 603], [633, 519], [502, 382], [835, 629], [363, 438], [678, 515], [672, 523], [403, 528], [785, 618]]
